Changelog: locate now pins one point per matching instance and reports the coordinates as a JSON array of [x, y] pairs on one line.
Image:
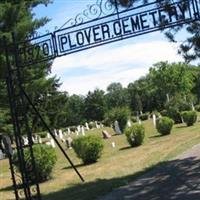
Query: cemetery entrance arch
[[101, 23]]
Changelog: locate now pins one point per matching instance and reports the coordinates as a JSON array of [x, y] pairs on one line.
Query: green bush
[[88, 148], [189, 117], [133, 119], [92, 125], [120, 114], [164, 125], [175, 106], [43, 134], [135, 134], [144, 116], [164, 113], [45, 159]]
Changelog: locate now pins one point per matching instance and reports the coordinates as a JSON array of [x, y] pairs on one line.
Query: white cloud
[[122, 63]]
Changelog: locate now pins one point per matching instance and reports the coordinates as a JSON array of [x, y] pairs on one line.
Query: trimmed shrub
[[133, 119], [197, 107], [164, 113], [88, 148], [164, 125], [144, 116], [135, 134], [72, 128], [175, 106], [120, 114], [45, 159], [92, 125], [189, 117]]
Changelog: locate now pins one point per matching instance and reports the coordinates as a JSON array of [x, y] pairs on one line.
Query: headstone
[[113, 144], [193, 107], [79, 129], [25, 139], [55, 132], [129, 123], [139, 122], [69, 142], [87, 126], [1, 155], [116, 127], [167, 97], [68, 131], [39, 139], [154, 120], [101, 125], [48, 135], [77, 133], [53, 143], [105, 134], [83, 130], [97, 125], [60, 134]]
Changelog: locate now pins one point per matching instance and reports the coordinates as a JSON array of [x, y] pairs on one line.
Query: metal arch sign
[[118, 24]]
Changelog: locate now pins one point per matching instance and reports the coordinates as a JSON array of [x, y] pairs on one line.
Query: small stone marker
[[105, 134], [113, 144], [48, 135]]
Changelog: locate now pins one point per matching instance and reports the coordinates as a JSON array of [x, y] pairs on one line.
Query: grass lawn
[[117, 166]]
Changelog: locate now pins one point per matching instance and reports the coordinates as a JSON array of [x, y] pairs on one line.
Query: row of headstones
[[129, 124]]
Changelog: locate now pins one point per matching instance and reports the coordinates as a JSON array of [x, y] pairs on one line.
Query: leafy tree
[[18, 17], [95, 105], [75, 110], [116, 96], [169, 79]]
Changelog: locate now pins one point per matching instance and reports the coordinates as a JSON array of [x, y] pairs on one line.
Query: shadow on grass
[[77, 166], [178, 179], [156, 136], [125, 148]]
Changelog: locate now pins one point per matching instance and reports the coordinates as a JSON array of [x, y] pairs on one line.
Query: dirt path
[[178, 179]]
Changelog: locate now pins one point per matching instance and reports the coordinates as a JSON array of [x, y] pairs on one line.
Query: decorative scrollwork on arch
[[95, 11]]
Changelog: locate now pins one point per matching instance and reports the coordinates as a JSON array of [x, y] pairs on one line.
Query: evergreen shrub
[[189, 117], [164, 125], [45, 160], [88, 148], [135, 134]]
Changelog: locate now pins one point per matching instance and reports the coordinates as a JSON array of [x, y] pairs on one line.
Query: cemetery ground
[[118, 166]]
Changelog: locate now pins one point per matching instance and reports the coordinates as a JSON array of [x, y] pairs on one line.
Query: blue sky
[[123, 61]]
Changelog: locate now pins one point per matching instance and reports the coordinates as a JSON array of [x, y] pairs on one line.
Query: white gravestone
[[53, 143], [87, 126], [55, 132], [25, 140], [40, 140], [83, 130], [48, 135], [129, 123], [154, 120], [78, 129], [60, 134], [116, 128], [68, 131]]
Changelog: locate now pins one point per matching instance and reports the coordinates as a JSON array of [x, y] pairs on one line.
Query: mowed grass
[[117, 166]]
